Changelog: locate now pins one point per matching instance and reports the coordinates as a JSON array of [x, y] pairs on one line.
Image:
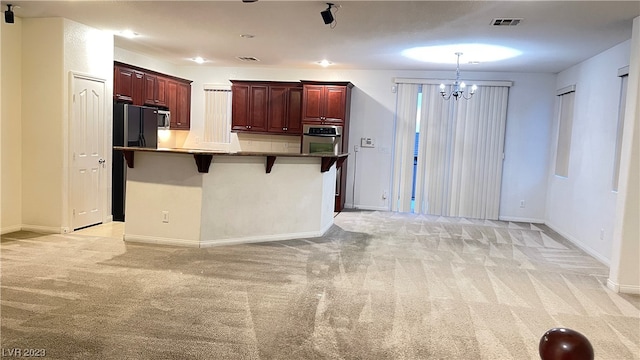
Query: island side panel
[[242, 203], [163, 182]]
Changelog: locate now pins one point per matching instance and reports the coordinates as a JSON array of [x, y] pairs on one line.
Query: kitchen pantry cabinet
[[140, 86], [266, 107]]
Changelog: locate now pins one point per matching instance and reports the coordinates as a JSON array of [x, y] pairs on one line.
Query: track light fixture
[[327, 16], [8, 15]]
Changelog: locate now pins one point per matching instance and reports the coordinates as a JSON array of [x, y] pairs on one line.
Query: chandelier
[[458, 88]]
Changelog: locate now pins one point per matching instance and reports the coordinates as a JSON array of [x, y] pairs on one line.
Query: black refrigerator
[[132, 126]]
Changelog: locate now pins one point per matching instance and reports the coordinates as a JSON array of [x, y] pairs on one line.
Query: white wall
[[42, 133], [11, 92], [87, 51], [582, 204], [67, 46]]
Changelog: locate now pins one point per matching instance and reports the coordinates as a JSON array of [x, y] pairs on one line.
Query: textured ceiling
[[368, 34]]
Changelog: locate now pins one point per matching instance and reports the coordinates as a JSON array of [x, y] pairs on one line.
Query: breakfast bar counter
[[199, 198]]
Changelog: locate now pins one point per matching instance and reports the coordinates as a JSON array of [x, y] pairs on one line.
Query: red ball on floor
[[564, 344]]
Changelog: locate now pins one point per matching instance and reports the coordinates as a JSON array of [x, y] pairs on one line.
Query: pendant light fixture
[[459, 87]]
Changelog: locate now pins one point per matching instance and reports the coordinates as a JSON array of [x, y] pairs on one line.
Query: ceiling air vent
[[247, 58], [506, 22]]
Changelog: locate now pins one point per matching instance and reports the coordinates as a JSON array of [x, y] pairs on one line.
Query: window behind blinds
[[217, 115], [566, 97]]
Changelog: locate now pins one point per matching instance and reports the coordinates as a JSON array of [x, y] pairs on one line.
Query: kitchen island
[[200, 198]]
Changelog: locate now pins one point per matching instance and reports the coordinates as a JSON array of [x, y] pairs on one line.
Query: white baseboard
[[10, 229], [581, 245], [159, 240], [219, 242], [373, 208], [44, 229], [625, 289], [521, 219]]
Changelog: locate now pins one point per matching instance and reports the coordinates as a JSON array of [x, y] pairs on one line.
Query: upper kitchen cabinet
[[140, 86], [128, 85], [266, 107], [179, 103], [249, 104], [285, 109], [326, 102], [155, 90]]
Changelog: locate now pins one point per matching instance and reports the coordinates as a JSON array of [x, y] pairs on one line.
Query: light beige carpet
[[376, 286]]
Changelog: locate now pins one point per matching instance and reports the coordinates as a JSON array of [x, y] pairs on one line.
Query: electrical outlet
[[356, 148], [522, 203], [601, 234], [384, 195], [165, 216]]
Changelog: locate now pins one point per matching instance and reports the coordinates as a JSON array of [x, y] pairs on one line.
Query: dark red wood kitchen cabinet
[[155, 90], [326, 102], [179, 103], [128, 85], [285, 109], [139, 86], [266, 107], [249, 107]]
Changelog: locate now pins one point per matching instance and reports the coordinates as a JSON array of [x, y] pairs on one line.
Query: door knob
[[102, 161]]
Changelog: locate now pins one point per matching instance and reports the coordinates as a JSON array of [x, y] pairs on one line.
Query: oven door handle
[[321, 135]]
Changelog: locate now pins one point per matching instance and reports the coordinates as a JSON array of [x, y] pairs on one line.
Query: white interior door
[[88, 164]]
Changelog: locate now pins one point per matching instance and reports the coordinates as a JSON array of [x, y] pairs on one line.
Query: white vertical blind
[[565, 126], [406, 111], [217, 116], [460, 154]]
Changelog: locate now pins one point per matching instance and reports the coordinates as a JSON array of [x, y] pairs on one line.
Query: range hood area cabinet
[[139, 86], [268, 107]]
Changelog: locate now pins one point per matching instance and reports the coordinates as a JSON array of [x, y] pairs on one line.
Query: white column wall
[[11, 129], [42, 120], [625, 267]]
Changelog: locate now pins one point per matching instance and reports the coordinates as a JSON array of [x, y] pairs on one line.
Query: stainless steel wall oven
[[321, 139]]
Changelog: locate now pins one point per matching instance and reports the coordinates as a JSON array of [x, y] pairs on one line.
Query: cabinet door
[[184, 106], [294, 112], [277, 121], [172, 103], [335, 104], [150, 89], [313, 107], [138, 88], [122, 84], [161, 91], [258, 107], [239, 107]]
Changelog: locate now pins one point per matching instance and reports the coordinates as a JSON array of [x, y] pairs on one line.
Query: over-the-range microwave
[[164, 119]]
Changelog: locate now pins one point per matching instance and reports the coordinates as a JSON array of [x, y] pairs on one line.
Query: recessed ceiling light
[[128, 34], [198, 60], [471, 53], [247, 36], [324, 63]]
